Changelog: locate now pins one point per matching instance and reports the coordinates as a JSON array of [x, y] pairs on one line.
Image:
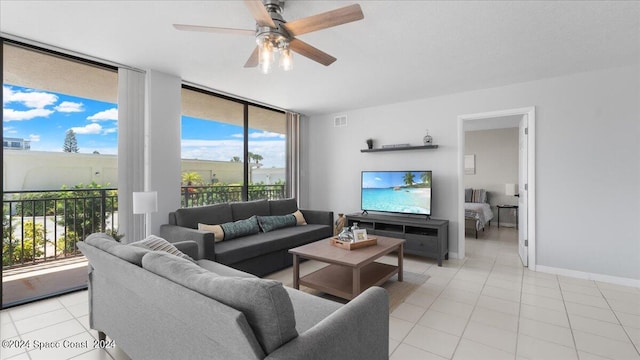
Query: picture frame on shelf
[[360, 235]]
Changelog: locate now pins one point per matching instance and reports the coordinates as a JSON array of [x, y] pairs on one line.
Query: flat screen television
[[405, 192]]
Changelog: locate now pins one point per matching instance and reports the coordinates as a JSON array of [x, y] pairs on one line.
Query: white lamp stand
[[145, 202]]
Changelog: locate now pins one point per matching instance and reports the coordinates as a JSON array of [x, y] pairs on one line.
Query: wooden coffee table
[[350, 271]]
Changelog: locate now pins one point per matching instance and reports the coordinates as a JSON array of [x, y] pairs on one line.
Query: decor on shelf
[[145, 203], [397, 148], [369, 143], [428, 139]]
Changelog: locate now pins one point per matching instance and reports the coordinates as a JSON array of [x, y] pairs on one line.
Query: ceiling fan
[[274, 35]]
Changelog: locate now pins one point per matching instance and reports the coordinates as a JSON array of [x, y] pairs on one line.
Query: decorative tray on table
[[348, 245]]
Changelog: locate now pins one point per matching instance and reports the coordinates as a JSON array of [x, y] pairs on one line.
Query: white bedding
[[481, 212]]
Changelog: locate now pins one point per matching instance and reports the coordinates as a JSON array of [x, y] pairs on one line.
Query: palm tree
[[425, 178], [235, 159], [257, 158], [408, 178], [191, 178]]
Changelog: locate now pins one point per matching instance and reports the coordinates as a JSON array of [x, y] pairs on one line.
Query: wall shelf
[[421, 147]]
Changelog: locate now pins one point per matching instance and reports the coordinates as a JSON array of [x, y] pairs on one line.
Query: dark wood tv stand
[[424, 237]]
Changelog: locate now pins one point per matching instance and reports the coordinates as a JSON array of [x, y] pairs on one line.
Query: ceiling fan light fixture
[[268, 45], [265, 55], [286, 58]]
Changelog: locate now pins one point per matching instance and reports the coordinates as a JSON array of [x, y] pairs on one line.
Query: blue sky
[[386, 179], [44, 117]]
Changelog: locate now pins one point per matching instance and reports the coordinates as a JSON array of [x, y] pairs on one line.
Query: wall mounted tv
[[406, 192]]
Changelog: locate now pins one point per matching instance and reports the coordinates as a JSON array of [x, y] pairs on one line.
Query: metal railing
[[40, 226], [43, 226], [214, 194]]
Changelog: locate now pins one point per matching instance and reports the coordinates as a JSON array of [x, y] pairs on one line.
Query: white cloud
[[273, 151], [110, 131], [69, 107], [34, 137], [20, 115], [261, 135], [266, 134], [111, 114], [88, 129], [30, 99]]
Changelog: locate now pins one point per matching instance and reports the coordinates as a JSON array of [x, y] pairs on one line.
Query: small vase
[[428, 140]]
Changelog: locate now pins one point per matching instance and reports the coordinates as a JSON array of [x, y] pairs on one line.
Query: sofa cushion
[[283, 207], [246, 209], [106, 243], [240, 228], [265, 303], [268, 223], [210, 214], [157, 243], [218, 233], [247, 247], [300, 220]]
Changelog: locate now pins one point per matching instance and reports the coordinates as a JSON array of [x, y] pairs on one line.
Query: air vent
[[340, 121]]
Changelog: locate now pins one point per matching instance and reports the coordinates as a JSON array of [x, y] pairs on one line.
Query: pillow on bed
[[467, 194], [479, 196]]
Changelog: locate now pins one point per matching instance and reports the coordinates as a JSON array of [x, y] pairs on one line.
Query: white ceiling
[[402, 50]]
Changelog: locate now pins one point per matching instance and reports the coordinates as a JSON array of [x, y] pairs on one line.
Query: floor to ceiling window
[[59, 132], [232, 150]]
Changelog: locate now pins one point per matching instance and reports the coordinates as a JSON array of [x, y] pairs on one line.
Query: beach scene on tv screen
[[397, 191]]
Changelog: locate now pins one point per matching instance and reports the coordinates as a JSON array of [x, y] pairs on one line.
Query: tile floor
[[484, 307]]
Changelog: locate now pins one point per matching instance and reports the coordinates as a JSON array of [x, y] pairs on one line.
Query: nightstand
[[500, 207]]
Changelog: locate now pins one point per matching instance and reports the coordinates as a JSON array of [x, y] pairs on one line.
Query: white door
[[523, 248]]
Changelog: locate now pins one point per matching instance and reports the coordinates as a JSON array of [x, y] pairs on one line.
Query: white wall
[[587, 151], [45, 170]]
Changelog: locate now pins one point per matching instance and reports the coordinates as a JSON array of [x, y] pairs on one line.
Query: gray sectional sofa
[[260, 253], [156, 305]]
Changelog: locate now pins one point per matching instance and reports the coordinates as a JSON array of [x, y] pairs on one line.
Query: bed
[[477, 209]]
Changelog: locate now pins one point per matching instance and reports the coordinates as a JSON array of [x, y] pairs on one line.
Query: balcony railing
[[214, 194], [42, 226]]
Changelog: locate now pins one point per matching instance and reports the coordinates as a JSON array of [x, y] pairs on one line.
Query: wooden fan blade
[[325, 20], [253, 59], [258, 11], [312, 53], [212, 29]]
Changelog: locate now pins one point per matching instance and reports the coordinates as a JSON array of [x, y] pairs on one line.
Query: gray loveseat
[[259, 254], [156, 305]]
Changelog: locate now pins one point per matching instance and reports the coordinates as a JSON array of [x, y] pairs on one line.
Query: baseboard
[[589, 276]]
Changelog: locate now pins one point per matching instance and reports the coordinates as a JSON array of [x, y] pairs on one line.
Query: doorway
[[525, 120]]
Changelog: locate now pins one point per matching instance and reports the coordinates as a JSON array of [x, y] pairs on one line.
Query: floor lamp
[[145, 203]]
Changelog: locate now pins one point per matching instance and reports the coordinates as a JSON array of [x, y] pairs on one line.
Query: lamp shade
[[145, 202], [511, 189]]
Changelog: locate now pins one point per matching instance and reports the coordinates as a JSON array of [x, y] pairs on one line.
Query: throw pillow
[[240, 228], [300, 220], [218, 233], [468, 192], [265, 303], [268, 223], [157, 243]]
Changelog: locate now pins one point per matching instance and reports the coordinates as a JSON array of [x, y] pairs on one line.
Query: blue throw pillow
[[268, 223], [240, 228]]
